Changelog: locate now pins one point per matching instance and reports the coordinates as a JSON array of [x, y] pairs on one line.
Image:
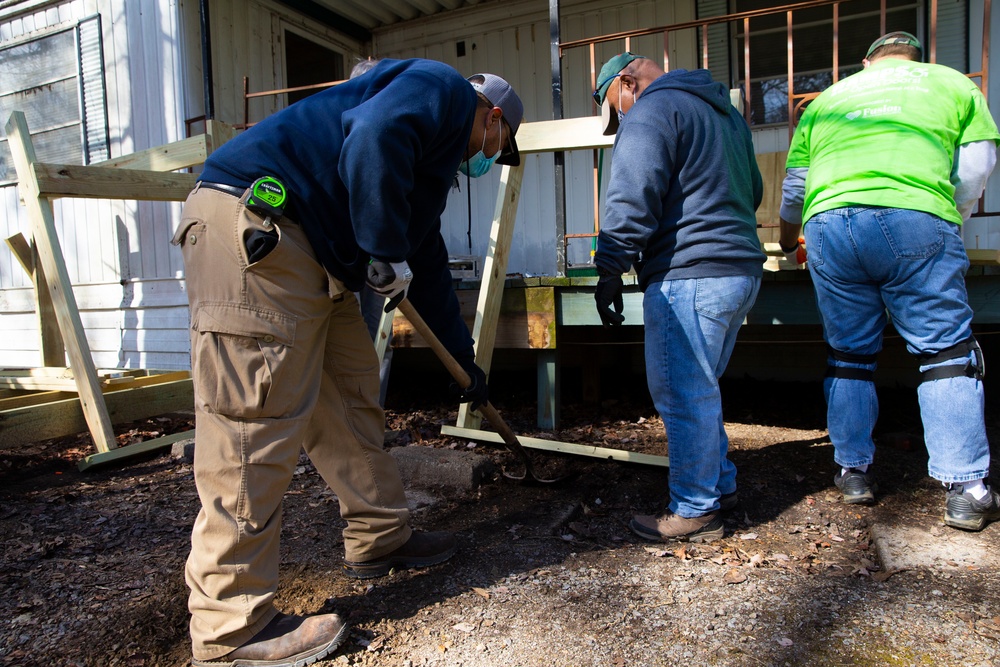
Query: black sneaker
[[421, 550], [962, 510], [858, 487]]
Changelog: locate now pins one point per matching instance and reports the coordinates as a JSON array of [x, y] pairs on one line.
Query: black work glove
[[477, 393], [608, 294], [390, 280]]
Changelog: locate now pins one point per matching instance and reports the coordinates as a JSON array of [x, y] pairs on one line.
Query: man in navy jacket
[[680, 208], [289, 219]]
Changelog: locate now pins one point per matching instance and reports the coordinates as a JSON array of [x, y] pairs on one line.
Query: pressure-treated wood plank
[[66, 180], [218, 134], [57, 279], [28, 424], [38, 379], [494, 274], [559, 446], [38, 383], [526, 322], [53, 350], [130, 451], [986, 257], [169, 157], [772, 171], [21, 249], [567, 134], [34, 398]]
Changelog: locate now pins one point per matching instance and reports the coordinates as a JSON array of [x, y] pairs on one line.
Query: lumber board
[[21, 249], [561, 447], [57, 279], [176, 155], [772, 172], [168, 157], [34, 398], [89, 182], [122, 454], [566, 134], [526, 322], [28, 424], [985, 257], [494, 275], [33, 380], [218, 133], [53, 350]]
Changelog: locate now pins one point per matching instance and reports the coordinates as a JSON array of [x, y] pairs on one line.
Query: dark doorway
[[307, 62]]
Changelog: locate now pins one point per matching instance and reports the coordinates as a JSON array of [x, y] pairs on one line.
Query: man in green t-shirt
[[884, 167]]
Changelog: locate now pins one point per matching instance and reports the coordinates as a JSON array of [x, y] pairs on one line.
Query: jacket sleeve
[[433, 296]]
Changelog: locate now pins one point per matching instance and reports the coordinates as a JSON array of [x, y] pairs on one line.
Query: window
[[812, 40], [309, 63], [58, 82]]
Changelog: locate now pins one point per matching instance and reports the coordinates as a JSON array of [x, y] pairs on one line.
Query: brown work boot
[[421, 550], [669, 526], [287, 641]]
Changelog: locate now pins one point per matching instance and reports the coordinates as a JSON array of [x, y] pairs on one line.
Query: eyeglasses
[[598, 98]]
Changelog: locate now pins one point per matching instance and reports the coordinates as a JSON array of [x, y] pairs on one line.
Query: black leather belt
[[222, 187]]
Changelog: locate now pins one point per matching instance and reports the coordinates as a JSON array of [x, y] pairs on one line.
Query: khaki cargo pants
[[281, 361]]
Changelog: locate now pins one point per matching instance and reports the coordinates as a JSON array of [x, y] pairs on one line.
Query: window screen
[[58, 82], [812, 42]]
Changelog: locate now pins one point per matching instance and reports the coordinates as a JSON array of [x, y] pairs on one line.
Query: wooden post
[[57, 280], [53, 350], [494, 275]]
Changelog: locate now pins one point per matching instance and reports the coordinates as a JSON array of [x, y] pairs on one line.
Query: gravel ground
[[92, 564]]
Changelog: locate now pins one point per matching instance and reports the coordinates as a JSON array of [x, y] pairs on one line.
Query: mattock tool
[[463, 380]]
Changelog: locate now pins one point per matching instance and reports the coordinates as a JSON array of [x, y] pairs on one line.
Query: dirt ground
[[92, 563]]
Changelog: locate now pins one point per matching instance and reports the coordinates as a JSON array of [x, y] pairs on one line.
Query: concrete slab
[[925, 542], [183, 449], [429, 467]]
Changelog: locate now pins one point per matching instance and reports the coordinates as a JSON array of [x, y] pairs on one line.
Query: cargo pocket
[[241, 356]]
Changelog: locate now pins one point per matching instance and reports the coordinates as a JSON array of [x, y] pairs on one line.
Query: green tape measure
[[267, 197]]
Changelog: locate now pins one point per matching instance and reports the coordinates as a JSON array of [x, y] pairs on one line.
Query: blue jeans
[[691, 328], [865, 261]]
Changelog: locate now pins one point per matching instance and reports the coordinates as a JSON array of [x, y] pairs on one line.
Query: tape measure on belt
[[267, 197]]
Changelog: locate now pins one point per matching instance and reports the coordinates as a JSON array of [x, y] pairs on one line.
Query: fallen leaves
[[734, 576]]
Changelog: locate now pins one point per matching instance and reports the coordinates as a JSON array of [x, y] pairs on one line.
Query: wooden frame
[[146, 175], [532, 138]]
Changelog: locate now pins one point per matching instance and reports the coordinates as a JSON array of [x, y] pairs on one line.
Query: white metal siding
[[152, 52], [106, 242]]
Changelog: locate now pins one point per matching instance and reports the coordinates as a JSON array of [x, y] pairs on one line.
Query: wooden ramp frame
[[145, 175], [532, 138]]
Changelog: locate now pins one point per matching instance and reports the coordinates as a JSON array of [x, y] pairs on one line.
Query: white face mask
[[478, 165], [621, 114]]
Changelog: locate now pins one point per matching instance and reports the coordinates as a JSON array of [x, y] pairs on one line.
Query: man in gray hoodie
[[681, 208]]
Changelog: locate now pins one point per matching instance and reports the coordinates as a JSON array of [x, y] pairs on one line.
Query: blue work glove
[[390, 280], [477, 393], [608, 294]]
